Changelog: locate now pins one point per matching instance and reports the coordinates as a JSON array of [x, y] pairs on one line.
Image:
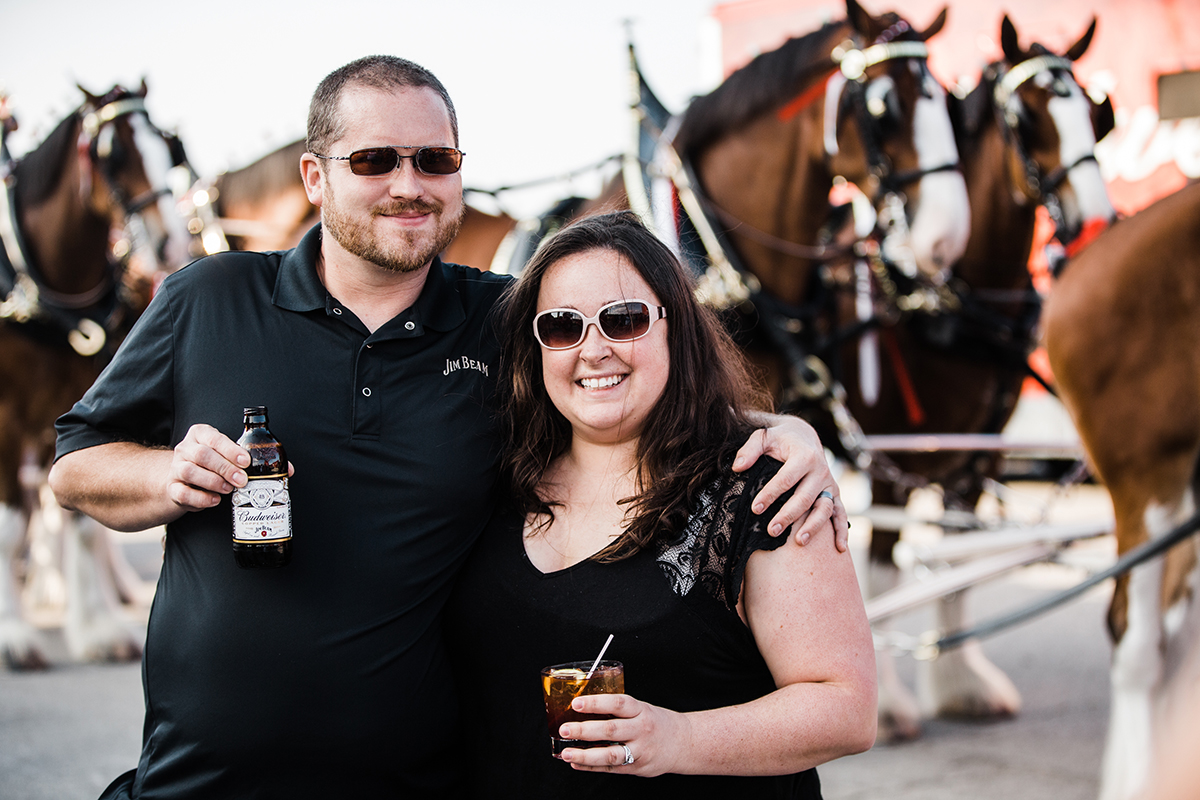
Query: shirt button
[[408, 326], [337, 311], [366, 391]]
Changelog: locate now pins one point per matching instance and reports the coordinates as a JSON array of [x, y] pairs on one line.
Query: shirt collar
[[298, 288]]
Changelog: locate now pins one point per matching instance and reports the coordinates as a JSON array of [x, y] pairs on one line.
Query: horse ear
[[141, 92], [859, 19], [967, 114], [1103, 117], [92, 99], [1079, 48], [1008, 41], [936, 26]]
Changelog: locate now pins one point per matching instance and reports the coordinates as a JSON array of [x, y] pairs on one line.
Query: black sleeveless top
[[672, 610]]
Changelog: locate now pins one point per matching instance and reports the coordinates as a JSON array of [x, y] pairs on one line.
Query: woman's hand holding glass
[[654, 736]]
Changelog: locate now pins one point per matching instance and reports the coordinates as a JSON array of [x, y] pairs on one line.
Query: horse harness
[[85, 319]]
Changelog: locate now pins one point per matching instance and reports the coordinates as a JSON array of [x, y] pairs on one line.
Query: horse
[[66, 299], [1121, 329], [1026, 135]]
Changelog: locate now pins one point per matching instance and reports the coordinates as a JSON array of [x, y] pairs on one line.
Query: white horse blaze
[[168, 226], [1086, 198], [942, 221]]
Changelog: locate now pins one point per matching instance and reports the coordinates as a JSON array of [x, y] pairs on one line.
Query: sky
[[541, 88]]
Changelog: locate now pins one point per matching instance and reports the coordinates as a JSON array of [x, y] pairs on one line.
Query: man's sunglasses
[[622, 321], [382, 160]]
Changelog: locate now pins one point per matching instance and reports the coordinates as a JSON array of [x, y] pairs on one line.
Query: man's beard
[[406, 251]]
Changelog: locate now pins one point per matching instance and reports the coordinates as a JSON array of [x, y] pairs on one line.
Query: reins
[[935, 643]]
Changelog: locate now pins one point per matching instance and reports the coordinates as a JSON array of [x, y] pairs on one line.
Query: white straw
[[602, 649]]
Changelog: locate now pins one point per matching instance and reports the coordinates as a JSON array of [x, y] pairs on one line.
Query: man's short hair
[[325, 125]]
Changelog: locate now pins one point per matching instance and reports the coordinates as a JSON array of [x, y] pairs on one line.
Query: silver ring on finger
[[628, 755], [826, 493]]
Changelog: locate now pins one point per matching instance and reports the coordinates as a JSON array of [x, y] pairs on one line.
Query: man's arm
[[131, 487], [816, 497]]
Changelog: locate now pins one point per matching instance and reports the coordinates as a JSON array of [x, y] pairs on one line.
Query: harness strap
[[8, 232], [912, 403], [1091, 229], [805, 98], [93, 121], [1018, 75]]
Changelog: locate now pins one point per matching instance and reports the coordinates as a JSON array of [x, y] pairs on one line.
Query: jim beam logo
[[464, 362]]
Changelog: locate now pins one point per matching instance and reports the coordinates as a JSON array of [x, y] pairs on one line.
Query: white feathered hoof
[[21, 648], [964, 684], [94, 626]]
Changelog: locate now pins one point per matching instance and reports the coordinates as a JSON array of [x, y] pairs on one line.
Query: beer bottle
[[262, 510]]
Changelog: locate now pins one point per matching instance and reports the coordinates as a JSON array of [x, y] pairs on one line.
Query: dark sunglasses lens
[[375, 161], [560, 328], [625, 321], [439, 160]]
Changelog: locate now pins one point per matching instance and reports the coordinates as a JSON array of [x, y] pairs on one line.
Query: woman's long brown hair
[[690, 435]]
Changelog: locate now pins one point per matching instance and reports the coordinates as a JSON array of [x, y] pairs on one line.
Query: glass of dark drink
[[562, 683]]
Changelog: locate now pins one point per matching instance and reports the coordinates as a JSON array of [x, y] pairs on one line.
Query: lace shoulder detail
[[721, 533]]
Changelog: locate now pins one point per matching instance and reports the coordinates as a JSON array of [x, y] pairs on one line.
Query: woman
[[625, 403]]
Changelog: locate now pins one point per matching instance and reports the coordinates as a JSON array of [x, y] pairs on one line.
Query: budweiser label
[[262, 511]]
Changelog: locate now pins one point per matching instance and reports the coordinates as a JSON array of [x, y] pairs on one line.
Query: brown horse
[[1026, 135], [1122, 329], [767, 144], [65, 301]]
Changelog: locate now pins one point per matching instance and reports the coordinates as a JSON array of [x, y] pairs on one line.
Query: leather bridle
[[1041, 187]]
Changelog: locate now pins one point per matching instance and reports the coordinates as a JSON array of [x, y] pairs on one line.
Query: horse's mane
[[39, 171], [275, 172], [766, 82]]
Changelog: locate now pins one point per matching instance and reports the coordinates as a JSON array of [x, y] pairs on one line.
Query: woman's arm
[[806, 613]]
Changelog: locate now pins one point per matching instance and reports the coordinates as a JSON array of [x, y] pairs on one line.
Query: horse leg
[[963, 683], [95, 626], [20, 643], [1140, 656], [899, 714]]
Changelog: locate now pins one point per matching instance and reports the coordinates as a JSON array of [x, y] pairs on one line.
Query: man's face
[[401, 220]]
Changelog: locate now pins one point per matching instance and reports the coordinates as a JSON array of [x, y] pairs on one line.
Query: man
[[325, 678]]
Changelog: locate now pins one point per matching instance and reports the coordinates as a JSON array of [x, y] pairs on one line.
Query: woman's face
[[605, 389]]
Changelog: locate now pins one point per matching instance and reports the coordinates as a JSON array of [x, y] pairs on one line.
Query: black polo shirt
[[325, 678]]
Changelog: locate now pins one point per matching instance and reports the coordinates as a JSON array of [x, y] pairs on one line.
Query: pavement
[[67, 732]]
